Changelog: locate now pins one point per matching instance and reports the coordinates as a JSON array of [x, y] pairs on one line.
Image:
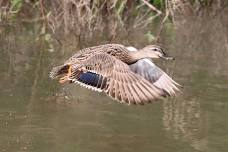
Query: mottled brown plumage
[[115, 70]]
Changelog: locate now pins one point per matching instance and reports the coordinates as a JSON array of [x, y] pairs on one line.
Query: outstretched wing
[[106, 73], [155, 75]]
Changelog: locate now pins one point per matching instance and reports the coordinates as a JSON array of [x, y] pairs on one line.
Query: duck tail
[[58, 71]]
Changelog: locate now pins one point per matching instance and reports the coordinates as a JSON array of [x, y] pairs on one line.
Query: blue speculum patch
[[92, 79]]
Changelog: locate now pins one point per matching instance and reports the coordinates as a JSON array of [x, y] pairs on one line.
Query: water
[[37, 114]]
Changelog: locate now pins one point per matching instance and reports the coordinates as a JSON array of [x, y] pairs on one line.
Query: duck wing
[[103, 72], [156, 76]]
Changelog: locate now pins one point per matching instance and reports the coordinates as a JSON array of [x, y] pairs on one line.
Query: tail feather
[[59, 70]]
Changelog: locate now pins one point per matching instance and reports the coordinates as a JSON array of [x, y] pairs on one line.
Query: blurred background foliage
[[57, 20]]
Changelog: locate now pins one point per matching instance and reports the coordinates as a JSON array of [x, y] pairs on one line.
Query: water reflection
[[184, 120], [204, 45], [37, 114]]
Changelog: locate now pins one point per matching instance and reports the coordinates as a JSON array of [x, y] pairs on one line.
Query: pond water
[[37, 114]]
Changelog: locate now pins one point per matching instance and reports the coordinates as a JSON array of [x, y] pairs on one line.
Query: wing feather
[[121, 83], [155, 75]]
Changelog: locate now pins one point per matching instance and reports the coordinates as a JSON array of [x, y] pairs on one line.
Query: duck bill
[[167, 58]]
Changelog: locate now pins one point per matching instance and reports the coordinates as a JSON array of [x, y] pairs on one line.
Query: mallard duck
[[123, 73]]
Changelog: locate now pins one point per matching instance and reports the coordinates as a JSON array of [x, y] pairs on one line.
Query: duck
[[124, 73]]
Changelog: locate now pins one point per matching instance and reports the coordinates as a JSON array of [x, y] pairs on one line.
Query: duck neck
[[137, 55]]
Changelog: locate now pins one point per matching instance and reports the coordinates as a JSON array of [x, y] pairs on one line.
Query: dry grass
[[84, 19], [182, 9], [87, 17]]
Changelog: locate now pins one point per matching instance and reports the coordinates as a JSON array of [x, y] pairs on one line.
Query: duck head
[[155, 51]]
